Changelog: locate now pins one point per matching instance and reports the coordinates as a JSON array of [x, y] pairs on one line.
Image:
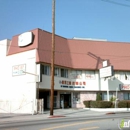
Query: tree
[[99, 97]]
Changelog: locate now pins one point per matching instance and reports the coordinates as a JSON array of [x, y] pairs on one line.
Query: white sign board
[[25, 39], [125, 86], [18, 70], [106, 72], [105, 63]]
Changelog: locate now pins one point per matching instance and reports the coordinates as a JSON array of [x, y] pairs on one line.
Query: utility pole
[[52, 58]]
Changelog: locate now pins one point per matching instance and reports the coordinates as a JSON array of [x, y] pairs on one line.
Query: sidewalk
[[58, 113]]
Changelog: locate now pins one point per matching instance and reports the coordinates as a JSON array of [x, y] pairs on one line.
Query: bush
[[113, 105], [123, 104], [94, 104], [87, 104], [128, 103], [112, 98], [100, 104], [98, 97], [105, 104]]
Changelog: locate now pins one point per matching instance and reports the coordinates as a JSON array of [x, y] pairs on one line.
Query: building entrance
[[65, 100], [43, 95]]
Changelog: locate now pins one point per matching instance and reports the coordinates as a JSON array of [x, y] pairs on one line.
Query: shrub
[[98, 97], [122, 104], [112, 98], [105, 104], [87, 104], [128, 103], [113, 105], [100, 104], [94, 104]]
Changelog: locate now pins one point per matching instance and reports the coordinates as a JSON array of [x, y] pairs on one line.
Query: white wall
[[97, 84], [22, 88], [92, 84]]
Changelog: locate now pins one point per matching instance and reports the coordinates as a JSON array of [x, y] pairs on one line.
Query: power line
[[116, 3], [68, 52], [127, 0], [114, 58]]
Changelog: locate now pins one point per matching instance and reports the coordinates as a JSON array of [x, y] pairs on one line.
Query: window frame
[[90, 73], [76, 74], [76, 98], [46, 69], [56, 71], [64, 73]]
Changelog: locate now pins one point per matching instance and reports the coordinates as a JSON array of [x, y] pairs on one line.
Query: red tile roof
[[76, 54]]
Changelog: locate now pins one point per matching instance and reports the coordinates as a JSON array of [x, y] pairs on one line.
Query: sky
[[98, 19]]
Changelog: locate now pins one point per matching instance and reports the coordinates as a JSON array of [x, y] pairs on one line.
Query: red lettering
[[126, 87], [80, 83], [84, 83], [73, 83], [76, 83], [69, 83]]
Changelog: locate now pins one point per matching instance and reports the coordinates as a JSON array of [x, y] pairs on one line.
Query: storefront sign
[[65, 86], [18, 70], [106, 72], [125, 86], [25, 39], [64, 82]]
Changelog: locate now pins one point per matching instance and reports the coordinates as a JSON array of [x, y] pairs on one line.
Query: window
[[125, 75], [64, 73], [126, 96], [110, 95], [76, 74], [46, 69], [76, 97], [79, 74], [104, 95], [90, 75], [116, 74], [56, 71]]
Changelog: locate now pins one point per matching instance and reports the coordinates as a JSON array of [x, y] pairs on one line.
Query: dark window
[[46, 69], [64, 73]]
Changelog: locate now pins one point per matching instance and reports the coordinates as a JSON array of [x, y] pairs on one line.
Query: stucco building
[[25, 66]]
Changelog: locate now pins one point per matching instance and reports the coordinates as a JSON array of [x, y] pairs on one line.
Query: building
[[25, 71]]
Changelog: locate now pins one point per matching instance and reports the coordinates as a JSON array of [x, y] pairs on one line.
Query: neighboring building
[[25, 66]]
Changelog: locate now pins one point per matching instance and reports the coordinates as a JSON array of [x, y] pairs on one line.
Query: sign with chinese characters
[[124, 86], [18, 70], [72, 84], [64, 82]]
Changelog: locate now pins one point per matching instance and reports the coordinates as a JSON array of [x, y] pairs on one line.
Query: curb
[[56, 116], [110, 113]]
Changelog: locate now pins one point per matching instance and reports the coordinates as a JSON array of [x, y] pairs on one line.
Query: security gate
[[40, 106]]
